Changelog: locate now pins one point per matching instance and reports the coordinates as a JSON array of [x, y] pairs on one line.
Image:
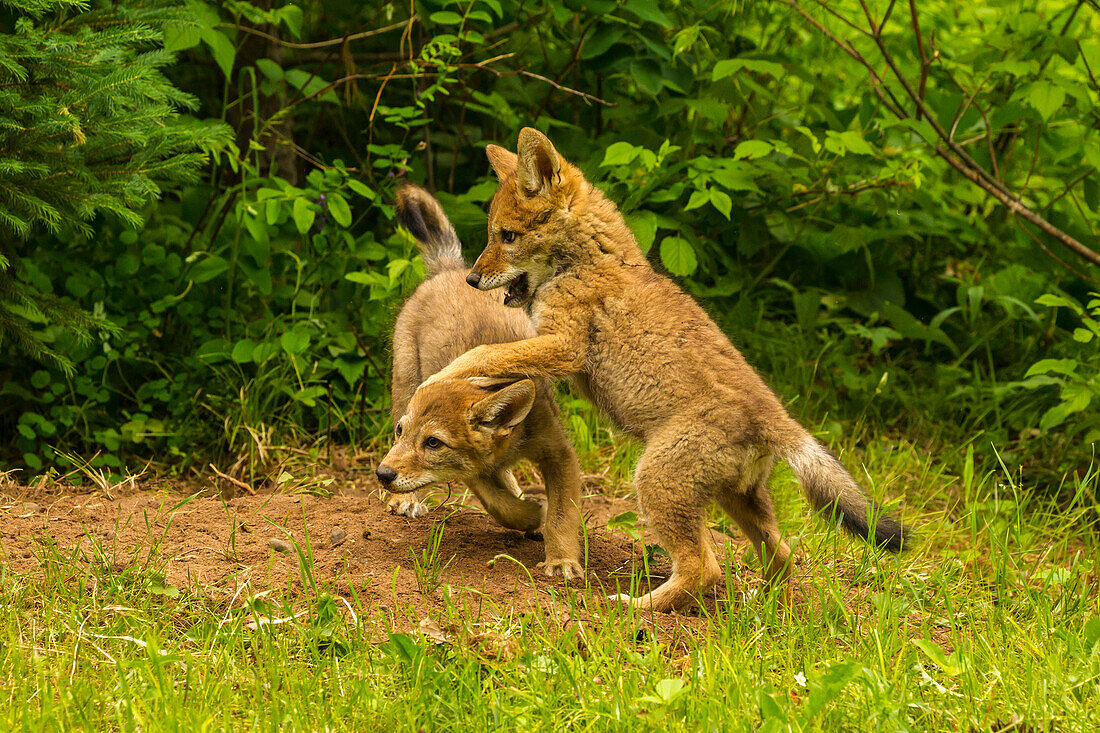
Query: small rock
[[366, 534], [337, 537], [280, 545], [29, 507]]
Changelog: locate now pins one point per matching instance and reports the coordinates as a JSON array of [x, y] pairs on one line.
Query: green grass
[[993, 619]]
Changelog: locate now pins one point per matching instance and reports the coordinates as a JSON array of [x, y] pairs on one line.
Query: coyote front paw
[[407, 505], [564, 567]]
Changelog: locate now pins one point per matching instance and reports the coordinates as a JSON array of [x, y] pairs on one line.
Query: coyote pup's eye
[[433, 442], [507, 236], [397, 430]]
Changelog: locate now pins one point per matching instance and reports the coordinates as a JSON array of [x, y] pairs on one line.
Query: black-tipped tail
[[421, 214], [832, 491]]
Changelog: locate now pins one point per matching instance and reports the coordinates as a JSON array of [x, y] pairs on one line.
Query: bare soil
[[229, 548]]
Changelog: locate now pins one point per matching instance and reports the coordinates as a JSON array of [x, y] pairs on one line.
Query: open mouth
[[518, 291]]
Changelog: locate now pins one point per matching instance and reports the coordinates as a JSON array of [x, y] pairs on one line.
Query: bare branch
[[1016, 207], [925, 63]]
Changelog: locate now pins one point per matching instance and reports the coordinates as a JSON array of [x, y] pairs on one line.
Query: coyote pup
[[651, 358], [473, 430]]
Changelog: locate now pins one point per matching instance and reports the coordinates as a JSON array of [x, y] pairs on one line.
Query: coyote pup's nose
[[473, 279], [386, 475]]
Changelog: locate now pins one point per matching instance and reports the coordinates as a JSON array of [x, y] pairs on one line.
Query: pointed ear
[[503, 162], [539, 163], [505, 408]]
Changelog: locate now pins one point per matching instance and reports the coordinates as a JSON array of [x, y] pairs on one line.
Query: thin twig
[[1067, 189], [235, 482], [319, 44], [1053, 256], [924, 62]]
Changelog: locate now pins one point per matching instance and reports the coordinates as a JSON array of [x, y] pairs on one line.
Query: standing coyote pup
[[655, 362], [473, 430]]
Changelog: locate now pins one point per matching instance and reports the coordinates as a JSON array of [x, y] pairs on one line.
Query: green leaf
[[678, 256], [604, 38], [291, 16], [1053, 417], [648, 75], [338, 207], [729, 67], [368, 278], [365, 191], [40, 379], [670, 688], [854, 142], [1091, 632], [648, 10], [270, 69], [721, 201], [242, 351], [1092, 192], [208, 268], [698, 198], [445, 17], [829, 684], [752, 149], [295, 340], [304, 214], [1015, 68], [310, 84], [619, 153], [1045, 97], [264, 350], [1066, 367], [644, 225], [178, 37], [736, 176], [626, 522], [1055, 301], [935, 653], [221, 48]]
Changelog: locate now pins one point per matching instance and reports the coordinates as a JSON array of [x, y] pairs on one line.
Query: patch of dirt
[[231, 548]]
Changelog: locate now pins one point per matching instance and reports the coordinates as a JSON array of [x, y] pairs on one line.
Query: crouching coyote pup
[[649, 356], [473, 430]]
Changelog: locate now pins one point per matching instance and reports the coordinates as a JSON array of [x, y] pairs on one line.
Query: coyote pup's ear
[[539, 163], [503, 162], [506, 408]]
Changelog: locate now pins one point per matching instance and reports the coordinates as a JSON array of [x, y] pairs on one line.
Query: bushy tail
[[832, 490], [421, 214]]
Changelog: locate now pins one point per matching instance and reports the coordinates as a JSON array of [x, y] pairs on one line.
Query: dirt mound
[[348, 542]]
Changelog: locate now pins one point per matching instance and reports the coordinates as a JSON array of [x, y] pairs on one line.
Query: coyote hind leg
[[749, 503], [673, 496]]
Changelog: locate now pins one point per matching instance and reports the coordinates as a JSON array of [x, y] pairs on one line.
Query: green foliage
[[1077, 379], [89, 123], [867, 276]]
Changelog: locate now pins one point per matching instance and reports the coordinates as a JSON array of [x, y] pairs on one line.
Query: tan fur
[[485, 426], [648, 355]]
